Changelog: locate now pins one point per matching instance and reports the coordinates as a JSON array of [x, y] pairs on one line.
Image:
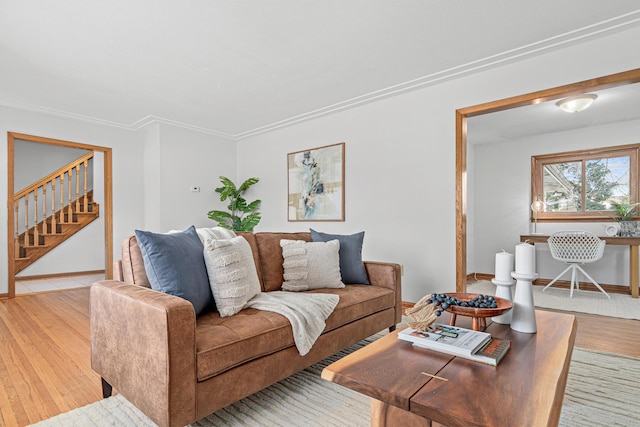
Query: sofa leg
[[392, 328], [106, 388]]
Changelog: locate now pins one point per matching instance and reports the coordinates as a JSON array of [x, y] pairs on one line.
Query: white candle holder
[[523, 314], [503, 290]]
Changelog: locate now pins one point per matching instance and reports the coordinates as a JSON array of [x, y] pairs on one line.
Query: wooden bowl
[[503, 306], [478, 314]]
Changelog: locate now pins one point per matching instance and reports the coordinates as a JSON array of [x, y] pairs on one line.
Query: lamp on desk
[[537, 206]]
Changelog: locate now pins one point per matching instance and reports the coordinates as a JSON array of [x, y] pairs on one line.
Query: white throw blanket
[[306, 312]]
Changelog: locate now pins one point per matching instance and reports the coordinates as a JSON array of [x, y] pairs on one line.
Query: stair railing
[[27, 234]]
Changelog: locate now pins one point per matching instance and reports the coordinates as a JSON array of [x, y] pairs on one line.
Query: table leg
[[633, 271], [385, 415], [452, 319]]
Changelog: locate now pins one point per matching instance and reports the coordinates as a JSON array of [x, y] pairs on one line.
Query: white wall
[[501, 216], [400, 158], [187, 159], [176, 159], [33, 159]]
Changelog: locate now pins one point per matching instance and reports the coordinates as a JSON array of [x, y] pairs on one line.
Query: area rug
[[602, 390], [622, 306]]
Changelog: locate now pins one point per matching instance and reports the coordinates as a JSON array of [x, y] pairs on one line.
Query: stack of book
[[472, 345]]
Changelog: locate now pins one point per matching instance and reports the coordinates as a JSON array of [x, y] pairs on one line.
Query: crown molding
[[61, 113], [599, 29], [148, 120]]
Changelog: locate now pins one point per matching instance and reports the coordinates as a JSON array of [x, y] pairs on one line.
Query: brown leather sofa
[[177, 368]]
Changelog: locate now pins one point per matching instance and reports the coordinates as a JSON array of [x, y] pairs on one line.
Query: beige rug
[[602, 390], [622, 306]]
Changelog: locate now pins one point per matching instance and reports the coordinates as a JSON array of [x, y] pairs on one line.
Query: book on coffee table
[[492, 352], [459, 341]]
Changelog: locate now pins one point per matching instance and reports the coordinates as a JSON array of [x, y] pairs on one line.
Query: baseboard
[[474, 277], [564, 284]]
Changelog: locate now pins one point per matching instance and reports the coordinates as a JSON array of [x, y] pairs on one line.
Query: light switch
[[195, 188]]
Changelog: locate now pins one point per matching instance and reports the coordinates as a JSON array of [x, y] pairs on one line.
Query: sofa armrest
[[387, 275], [143, 344]]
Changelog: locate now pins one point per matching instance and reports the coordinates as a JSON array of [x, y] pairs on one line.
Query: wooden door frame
[[599, 83], [108, 200]]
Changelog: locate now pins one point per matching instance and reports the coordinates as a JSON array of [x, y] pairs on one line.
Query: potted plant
[[624, 214], [242, 216]]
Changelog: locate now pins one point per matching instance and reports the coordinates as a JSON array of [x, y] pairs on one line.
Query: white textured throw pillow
[[311, 265], [232, 274]]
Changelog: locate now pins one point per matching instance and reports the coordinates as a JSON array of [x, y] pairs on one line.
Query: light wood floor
[[45, 360]]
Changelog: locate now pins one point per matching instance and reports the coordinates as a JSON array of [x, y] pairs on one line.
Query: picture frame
[[316, 184]]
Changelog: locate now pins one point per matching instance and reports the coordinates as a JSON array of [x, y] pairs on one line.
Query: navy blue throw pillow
[[175, 265], [352, 268]]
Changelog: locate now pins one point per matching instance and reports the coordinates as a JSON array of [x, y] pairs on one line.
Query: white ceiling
[[614, 105], [237, 68]]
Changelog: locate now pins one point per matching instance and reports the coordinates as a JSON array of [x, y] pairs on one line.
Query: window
[[581, 185]]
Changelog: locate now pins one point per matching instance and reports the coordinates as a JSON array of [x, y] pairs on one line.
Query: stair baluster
[[44, 210], [62, 221], [36, 239], [54, 228], [69, 205], [77, 169], [86, 199], [26, 220]]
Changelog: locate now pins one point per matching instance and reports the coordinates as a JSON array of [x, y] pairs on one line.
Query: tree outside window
[[583, 185]]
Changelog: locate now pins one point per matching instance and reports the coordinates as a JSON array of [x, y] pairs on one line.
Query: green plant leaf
[[227, 190], [250, 221], [248, 183], [624, 211], [253, 205], [237, 223], [221, 217]]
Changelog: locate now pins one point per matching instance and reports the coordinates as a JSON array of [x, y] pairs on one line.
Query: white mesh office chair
[[576, 248]]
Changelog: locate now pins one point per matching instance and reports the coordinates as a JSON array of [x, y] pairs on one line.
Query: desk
[[632, 242], [527, 388]]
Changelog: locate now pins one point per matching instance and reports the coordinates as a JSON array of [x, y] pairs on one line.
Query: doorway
[[107, 195], [624, 78]]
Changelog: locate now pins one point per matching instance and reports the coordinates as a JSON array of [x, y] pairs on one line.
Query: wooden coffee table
[[526, 388]]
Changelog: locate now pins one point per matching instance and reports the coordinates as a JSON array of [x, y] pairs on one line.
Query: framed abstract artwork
[[316, 184]]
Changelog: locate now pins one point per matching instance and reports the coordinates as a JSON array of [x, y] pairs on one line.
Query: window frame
[[537, 176]]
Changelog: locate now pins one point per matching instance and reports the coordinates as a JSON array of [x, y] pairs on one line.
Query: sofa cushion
[[251, 238], [174, 264], [232, 274], [133, 271], [225, 342], [351, 266], [271, 257], [310, 265]]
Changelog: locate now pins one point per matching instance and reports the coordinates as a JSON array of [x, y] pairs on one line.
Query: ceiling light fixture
[[573, 104]]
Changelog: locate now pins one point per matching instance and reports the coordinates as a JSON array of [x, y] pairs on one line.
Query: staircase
[[70, 208]]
